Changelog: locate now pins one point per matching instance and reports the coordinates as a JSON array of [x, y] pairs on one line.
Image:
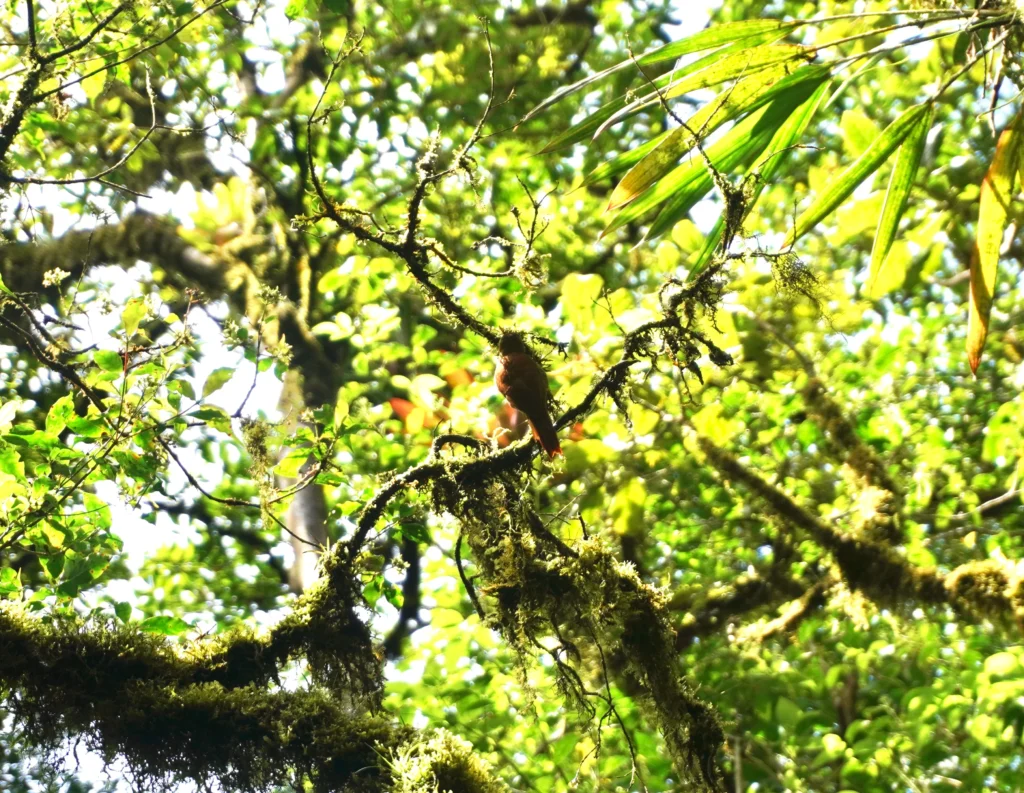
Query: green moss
[[603, 619], [135, 696], [440, 763]]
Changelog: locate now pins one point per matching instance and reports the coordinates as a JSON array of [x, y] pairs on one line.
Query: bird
[[522, 381]]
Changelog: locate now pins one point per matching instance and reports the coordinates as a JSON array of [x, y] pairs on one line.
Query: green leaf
[[108, 360], [97, 509], [579, 296], [60, 412], [10, 582], [993, 209], [741, 64], [79, 572], [841, 187], [747, 95], [165, 626], [624, 161], [133, 314], [415, 531], [712, 37], [123, 611], [896, 197], [291, 466], [218, 379], [295, 9], [1001, 664], [787, 713], [687, 184], [588, 127], [214, 417]]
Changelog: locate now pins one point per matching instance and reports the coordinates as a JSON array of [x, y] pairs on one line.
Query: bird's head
[[510, 343]]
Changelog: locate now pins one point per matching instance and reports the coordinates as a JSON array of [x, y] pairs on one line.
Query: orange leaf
[[402, 407], [997, 190], [458, 377]]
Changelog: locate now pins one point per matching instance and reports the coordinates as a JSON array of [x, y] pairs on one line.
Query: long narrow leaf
[[896, 197], [842, 186], [993, 208], [691, 180], [747, 95], [715, 36], [589, 127], [624, 161], [709, 38], [774, 118], [766, 167], [747, 61]]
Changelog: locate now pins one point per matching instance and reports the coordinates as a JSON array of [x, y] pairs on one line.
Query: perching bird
[[523, 382]]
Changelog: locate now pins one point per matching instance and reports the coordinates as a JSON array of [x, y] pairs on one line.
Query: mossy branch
[[991, 588]]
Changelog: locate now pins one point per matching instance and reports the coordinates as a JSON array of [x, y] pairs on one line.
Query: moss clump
[[602, 617], [441, 763], [132, 695], [338, 646], [990, 588]]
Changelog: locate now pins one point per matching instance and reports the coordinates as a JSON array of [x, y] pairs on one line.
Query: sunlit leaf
[[749, 94], [688, 183], [745, 63], [218, 379], [165, 626], [588, 127], [993, 208], [765, 168], [841, 187], [896, 198], [706, 39]]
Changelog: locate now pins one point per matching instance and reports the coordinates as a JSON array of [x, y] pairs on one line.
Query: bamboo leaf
[[997, 189], [719, 69], [592, 124], [896, 197], [747, 95], [740, 64], [725, 33], [709, 38], [841, 187], [688, 182], [766, 167], [758, 137], [624, 161]]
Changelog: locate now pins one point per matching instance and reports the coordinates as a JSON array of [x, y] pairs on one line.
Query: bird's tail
[[544, 432]]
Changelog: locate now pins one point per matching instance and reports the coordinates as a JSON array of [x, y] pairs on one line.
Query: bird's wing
[[523, 383]]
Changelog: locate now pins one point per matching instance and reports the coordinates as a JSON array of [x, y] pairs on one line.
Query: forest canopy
[[427, 397]]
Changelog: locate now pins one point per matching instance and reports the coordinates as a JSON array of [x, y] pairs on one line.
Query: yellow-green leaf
[[741, 64], [767, 165], [720, 68], [740, 146], [709, 38], [133, 314], [748, 94], [896, 197], [596, 121], [840, 188], [218, 379], [993, 207]]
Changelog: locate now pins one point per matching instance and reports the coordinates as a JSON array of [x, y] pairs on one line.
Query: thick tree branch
[[991, 587]]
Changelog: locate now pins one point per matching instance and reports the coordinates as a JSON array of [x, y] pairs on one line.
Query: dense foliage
[[266, 522]]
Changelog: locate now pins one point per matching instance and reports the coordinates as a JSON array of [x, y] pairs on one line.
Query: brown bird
[[523, 382]]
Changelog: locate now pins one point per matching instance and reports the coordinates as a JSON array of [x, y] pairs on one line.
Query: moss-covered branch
[[173, 714], [992, 588]]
